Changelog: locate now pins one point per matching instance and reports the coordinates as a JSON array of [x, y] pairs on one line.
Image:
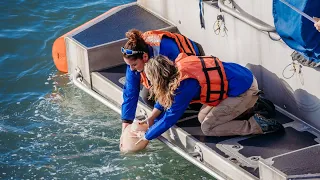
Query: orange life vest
[[144, 80], [209, 72], [153, 39]]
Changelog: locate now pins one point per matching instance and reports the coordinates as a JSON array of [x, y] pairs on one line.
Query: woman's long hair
[[164, 78], [136, 43]]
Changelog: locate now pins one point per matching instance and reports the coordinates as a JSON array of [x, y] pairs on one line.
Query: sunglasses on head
[[129, 51]]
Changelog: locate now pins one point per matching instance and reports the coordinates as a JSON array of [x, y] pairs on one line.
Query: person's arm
[[131, 91], [196, 49], [156, 111], [154, 114], [187, 90], [317, 23], [169, 48]]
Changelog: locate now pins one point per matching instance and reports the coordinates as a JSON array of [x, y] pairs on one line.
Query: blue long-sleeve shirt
[[183, 97], [239, 80], [131, 89]]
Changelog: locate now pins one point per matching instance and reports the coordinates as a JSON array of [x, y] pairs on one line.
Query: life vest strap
[[205, 71], [213, 68], [189, 45], [221, 77], [216, 92], [190, 50]]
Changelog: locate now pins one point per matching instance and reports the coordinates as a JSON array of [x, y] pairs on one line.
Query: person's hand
[[144, 121], [141, 139], [317, 23], [140, 135], [148, 121], [121, 139], [124, 125]]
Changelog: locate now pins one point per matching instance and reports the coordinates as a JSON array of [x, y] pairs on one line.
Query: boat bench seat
[[101, 41]]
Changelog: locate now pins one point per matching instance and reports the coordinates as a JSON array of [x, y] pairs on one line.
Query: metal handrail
[[245, 17]]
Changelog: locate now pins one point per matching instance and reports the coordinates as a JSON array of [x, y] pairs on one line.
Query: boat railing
[[240, 14]]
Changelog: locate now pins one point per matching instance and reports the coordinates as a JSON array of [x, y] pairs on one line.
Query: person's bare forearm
[[154, 114], [124, 125], [317, 23]]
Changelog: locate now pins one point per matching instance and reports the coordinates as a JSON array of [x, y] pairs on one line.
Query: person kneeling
[[226, 90]]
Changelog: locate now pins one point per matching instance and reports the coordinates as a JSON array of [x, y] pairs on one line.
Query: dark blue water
[[49, 129]]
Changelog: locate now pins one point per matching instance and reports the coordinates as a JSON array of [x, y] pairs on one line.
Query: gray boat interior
[[95, 61]]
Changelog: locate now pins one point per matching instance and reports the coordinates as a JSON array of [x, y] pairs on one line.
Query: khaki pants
[[219, 120]]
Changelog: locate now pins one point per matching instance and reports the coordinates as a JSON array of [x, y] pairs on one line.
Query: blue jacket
[[131, 89], [239, 80]]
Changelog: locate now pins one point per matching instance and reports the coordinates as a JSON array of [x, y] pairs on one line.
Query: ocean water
[[49, 129]]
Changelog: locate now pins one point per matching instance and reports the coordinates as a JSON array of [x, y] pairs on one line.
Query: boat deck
[[295, 152]]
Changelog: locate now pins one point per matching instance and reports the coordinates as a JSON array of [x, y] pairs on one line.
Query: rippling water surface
[[48, 128]]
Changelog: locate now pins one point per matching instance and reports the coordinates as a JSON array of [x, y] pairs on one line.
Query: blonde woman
[[226, 90]]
